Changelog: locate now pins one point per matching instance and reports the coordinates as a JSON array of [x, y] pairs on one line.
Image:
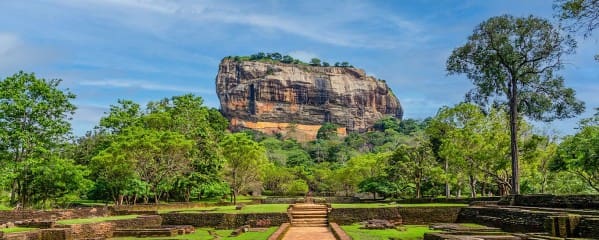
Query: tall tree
[[579, 16], [413, 164], [157, 157], [245, 159], [187, 115], [511, 61], [34, 114]]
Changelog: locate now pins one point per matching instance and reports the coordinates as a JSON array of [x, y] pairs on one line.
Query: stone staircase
[[308, 215]]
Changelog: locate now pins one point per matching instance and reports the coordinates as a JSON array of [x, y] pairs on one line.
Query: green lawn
[[255, 208], [95, 219], [412, 232], [16, 229], [202, 234], [270, 208], [381, 205]]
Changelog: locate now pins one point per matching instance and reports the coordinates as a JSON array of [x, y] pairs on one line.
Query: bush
[[297, 187]]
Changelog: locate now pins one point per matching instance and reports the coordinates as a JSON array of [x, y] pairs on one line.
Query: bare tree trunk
[[514, 136], [447, 188], [13, 192], [472, 187], [418, 193], [187, 194]]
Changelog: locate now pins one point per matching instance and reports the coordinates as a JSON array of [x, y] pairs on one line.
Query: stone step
[[308, 212], [323, 216], [317, 206], [310, 220], [309, 209], [310, 224]]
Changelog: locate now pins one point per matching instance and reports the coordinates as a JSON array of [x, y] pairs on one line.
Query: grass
[[4, 207], [95, 219], [255, 208], [280, 208], [202, 234], [412, 232], [381, 205], [16, 229]]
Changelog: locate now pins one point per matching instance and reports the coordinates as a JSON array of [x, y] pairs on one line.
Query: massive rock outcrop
[[291, 98]]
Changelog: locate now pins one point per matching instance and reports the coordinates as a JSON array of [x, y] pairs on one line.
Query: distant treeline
[[277, 57]]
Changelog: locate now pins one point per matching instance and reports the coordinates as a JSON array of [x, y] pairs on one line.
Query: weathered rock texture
[[287, 98]]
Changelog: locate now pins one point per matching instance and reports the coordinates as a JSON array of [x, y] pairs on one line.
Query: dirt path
[[309, 233]]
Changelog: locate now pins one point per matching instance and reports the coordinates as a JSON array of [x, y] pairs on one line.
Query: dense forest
[[177, 149]]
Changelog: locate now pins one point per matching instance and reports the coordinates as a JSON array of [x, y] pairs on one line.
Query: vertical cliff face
[[273, 97]]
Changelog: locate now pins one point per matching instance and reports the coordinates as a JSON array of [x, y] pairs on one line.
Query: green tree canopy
[[579, 16], [245, 160], [579, 154], [511, 62], [34, 114]]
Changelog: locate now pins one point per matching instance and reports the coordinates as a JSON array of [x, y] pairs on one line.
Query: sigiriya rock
[[296, 99]]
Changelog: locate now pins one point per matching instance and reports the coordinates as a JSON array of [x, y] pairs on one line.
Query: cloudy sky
[[105, 50]]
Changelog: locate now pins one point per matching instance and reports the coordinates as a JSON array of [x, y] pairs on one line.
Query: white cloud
[[147, 85], [331, 27]]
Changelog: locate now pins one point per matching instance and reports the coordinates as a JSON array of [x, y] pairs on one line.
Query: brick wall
[[411, 215], [426, 215], [292, 200], [346, 216], [510, 220], [225, 220], [448, 200], [553, 201], [92, 230], [32, 235], [11, 216], [144, 221]]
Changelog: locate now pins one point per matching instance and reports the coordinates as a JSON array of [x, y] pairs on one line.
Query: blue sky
[[147, 50]]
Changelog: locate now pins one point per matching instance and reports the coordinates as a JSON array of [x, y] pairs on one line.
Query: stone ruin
[[379, 224]]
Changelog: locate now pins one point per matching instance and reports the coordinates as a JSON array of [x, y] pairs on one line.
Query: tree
[[579, 154], [413, 164], [121, 116], [374, 185], [579, 16], [287, 59], [511, 61], [187, 115], [315, 62], [326, 64], [387, 123], [538, 153], [245, 159], [155, 156], [276, 56], [57, 178], [365, 172], [327, 131], [34, 114]]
